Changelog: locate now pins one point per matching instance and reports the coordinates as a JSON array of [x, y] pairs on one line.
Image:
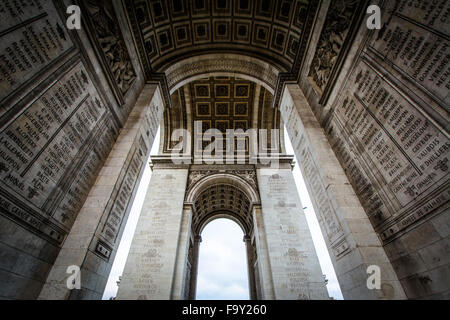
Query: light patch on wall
[[334, 290], [127, 237]]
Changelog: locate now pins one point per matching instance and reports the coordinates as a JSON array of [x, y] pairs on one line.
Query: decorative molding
[[221, 199], [340, 29], [248, 175], [110, 46], [161, 80], [230, 64], [170, 32]]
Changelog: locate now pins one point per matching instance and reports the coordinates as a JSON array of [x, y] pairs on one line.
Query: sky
[[222, 258], [222, 269]]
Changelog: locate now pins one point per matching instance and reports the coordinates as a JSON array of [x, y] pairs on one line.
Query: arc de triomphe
[[366, 111]]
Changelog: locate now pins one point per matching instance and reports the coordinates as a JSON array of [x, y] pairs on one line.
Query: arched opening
[[222, 101], [222, 65], [212, 199], [214, 99], [222, 266]]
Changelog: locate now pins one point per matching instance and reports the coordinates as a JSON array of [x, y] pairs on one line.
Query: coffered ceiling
[[221, 103], [167, 31], [224, 199]]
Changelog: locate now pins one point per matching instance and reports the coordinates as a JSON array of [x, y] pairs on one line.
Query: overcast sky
[[222, 270], [222, 262]]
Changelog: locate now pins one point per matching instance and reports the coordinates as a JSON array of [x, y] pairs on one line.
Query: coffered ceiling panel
[[171, 30], [222, 103], [222, 198]]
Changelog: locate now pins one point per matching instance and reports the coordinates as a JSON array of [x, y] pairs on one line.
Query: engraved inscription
[[407, 149], [75, 196], [392, 152], [32, 37], [117, 213], [41, 143], [421, 55]]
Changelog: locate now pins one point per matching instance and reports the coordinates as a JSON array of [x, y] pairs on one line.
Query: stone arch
[[222, 195], [223, 200], [216, 64], [181, 75], [226, 178], [221, 215], [239, 210]]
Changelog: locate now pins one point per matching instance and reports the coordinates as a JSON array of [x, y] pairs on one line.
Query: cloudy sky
[[222, 262], [222, 270]]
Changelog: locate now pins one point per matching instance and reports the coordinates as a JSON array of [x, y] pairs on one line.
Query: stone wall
[[380, 100], [151, 265], [95, 236], [351, 240], [59, 119], [385, 114], [293, 263]]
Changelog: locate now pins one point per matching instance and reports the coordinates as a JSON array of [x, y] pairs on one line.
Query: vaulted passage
[[223, 201], [365, 108], [219, 200], [222, 103]]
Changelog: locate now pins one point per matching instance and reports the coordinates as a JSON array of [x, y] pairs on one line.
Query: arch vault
[[366, 111]]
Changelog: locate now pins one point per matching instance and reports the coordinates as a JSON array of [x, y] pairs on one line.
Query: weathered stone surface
[[294, 267], [93, 240], [58, 124], [110, 40], [331, 41], [343, 221], [150, 266], [33, 36], [385, 115], [368, 121]]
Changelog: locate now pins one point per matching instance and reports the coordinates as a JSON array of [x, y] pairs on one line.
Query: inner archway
[[221, 196], [222, 270]]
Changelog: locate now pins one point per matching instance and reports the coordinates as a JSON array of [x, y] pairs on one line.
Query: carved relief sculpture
[[111, 41], [340, 14]]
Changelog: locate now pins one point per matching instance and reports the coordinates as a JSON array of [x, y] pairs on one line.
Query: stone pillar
[[350, 237], [150, 268], [250, 262], [264, 270], [96, 232], [179, 282], [294, 265], [194, 272]]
